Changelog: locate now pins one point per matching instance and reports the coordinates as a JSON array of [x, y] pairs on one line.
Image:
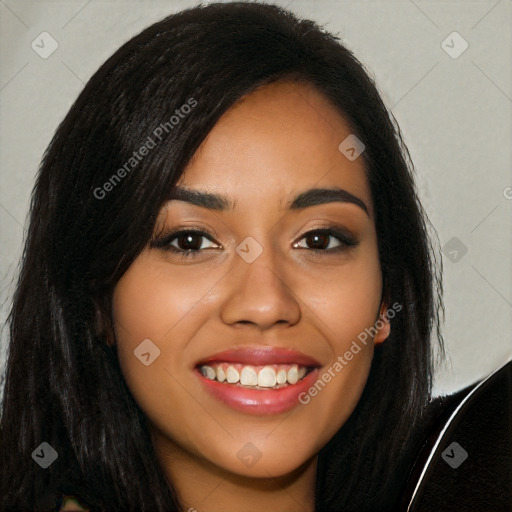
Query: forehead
[[279, 140]]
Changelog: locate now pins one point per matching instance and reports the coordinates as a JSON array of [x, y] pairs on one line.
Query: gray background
[[455, 114]]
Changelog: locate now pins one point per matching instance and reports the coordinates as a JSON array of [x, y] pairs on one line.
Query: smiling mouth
[[258, 380], [262, 377]]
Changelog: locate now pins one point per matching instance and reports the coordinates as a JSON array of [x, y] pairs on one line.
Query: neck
[[204, 487]]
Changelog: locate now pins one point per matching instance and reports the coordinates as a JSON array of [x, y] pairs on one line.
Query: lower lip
[[255, 401]]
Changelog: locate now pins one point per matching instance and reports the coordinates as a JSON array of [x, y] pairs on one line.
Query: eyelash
[[164, 242]]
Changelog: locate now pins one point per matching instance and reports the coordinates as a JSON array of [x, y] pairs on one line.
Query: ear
[[382, 325]]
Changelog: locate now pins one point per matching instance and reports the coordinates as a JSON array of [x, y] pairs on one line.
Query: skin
[[274, 144]]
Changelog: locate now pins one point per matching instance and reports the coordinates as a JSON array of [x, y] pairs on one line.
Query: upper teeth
[[247, 375]]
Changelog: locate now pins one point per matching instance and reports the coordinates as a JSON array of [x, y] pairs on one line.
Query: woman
[[228, 287]]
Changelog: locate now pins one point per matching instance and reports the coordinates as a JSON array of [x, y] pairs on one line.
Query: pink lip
[[260, 402], [255, 401], [261, 356]]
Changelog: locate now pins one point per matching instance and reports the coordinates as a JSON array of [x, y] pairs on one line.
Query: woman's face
[[262, 296]]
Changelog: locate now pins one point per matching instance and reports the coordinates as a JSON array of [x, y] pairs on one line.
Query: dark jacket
[[465, 463]]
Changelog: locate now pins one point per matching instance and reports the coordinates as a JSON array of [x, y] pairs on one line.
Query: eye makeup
[[321, 236]]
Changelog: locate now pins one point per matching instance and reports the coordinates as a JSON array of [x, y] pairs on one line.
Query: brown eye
[[326, 240], [185, 242], [318, 240], [189, 241]]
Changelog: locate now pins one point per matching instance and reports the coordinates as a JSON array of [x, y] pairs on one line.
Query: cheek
[[143, 309], [142, 305], [347, 299], [347, 306], [152, 302]]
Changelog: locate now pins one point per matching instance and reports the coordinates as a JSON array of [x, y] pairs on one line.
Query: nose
[[261, 293]]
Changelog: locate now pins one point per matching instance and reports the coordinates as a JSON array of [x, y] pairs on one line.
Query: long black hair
[[89, 220]]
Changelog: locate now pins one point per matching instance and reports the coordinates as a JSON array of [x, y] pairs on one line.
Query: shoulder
[[465, 462]]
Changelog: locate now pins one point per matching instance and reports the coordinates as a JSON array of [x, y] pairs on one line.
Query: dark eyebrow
[[312, 197], [199, 198], [316, 196]]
